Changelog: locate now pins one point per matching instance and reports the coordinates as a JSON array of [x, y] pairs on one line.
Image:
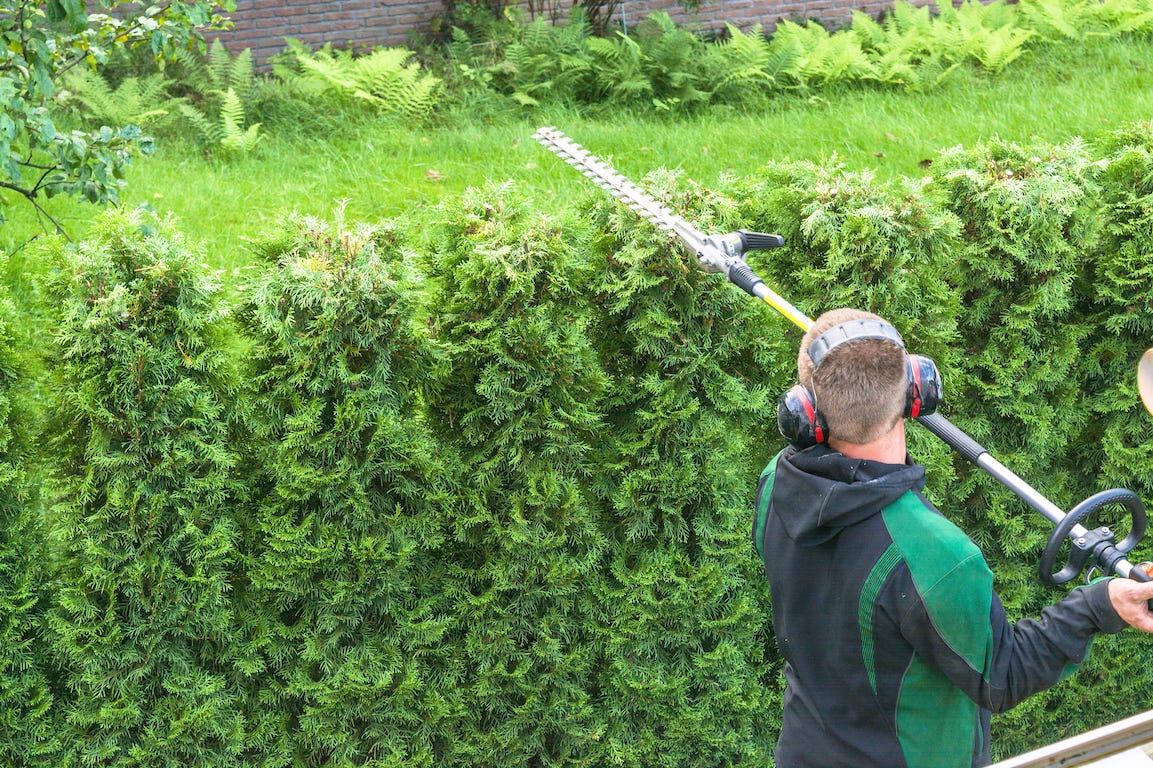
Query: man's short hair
[[860, 386]]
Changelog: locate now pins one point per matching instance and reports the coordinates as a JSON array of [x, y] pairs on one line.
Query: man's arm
[[1031, 655]]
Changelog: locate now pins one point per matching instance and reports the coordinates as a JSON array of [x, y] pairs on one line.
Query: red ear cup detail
[[924, 393], [913, 399], [798, 418]]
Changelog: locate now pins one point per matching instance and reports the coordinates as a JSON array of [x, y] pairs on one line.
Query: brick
[[262, 24]]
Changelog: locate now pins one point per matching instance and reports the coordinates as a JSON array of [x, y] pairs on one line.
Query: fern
[[747, 65], [204, 128], [225, 131], [550, 61], [826, 59], [985, 34], [207, 79], [671, 62], [231, 73], [1126, 16], [900, 47], [218, 86], [619, 69], [384, 79], [1055, 19], [1077, 19], [136, 101], [999, 48], [235, 137]]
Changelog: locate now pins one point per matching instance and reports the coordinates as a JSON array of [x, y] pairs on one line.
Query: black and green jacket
[[896, 646]]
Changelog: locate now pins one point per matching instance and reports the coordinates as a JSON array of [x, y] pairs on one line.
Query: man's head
[[861, 385]]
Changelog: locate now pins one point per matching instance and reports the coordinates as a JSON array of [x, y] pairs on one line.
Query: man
[[896, 646]]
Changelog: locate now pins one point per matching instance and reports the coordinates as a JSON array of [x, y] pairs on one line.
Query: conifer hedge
[[482, 497]]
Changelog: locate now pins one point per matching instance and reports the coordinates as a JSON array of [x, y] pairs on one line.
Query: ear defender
[[925, 388], [798, 417]]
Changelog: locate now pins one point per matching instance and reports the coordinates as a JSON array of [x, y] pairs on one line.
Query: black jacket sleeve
[[1019, 659]]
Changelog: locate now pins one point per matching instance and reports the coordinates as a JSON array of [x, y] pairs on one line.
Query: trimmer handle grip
[[759, 241], [1098, 545]]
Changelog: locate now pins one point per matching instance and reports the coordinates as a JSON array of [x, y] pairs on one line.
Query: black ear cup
[[799, 420], [924, 387]]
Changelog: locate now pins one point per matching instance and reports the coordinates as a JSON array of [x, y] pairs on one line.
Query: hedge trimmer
[[724, 254]]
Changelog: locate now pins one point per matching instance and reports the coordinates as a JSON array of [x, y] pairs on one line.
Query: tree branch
[[42, 213]]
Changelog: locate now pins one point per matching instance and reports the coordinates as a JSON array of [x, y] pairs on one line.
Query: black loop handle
[[1098, 544]]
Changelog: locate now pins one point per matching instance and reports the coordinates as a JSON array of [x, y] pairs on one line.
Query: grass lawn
[[384, 170]]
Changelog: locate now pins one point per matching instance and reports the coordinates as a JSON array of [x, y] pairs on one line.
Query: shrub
[[143, 487], [520, 399], [352, 656], [689, 666], [28, 729]]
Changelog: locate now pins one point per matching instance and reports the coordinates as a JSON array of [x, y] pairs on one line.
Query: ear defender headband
[[799, 419]]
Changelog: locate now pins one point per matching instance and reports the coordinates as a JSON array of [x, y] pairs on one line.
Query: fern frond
[[742, 61], [136, 101], [549, 60], [619, 68], [209, 131], [394, 84], [384, 79], [235, 72], [219, 65], [192, 69], [826, 58], [1055, 19], [998, 48]]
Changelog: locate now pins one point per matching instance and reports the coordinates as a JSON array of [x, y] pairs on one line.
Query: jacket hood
[[818, 491]]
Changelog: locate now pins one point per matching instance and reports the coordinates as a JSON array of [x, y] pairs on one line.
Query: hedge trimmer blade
[[618, 186], [723, 254], [1145, 379]]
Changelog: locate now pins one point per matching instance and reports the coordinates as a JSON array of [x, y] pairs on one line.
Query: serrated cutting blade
[[620, 187]]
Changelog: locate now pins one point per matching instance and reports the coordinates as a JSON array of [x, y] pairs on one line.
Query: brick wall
[[262, 25]]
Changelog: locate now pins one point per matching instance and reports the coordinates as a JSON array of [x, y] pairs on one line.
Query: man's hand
[[1131, 601]]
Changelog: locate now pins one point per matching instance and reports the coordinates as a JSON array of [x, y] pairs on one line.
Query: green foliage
[[547, 62], [1120, 288], [1075, 19], [688, 670], [1028, 218], [143, 485], [520, 398], [135, 100], [825, 59], [901, 47], [743, 67], [27, 726], [206, 78], [235, 137], [613, 616], [346, 604], [658, 66], [217, 88], [41, 43], [387, 80], [987, 34]]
